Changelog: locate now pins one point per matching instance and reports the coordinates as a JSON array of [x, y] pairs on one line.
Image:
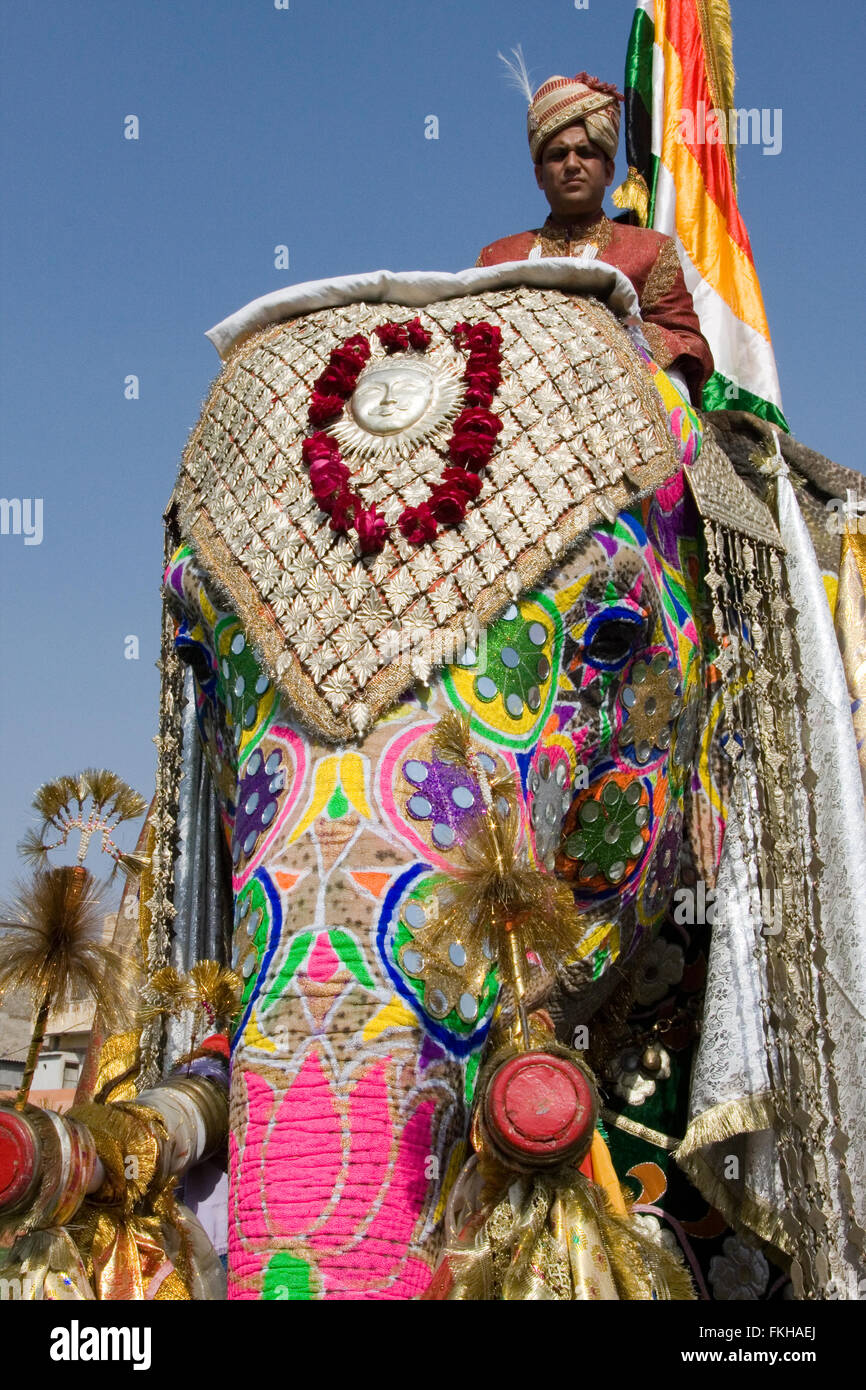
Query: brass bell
[[651, 1060]]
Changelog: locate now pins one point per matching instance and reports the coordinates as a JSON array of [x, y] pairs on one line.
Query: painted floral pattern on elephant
[[356, 1050]]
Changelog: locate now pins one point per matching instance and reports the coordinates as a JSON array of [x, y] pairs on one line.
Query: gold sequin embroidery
[[556, 240], [661, 278]]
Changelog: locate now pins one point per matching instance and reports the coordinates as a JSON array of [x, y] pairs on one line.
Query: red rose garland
[[471, 444]]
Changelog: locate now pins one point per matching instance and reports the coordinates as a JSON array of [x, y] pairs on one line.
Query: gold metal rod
[[519, 988]]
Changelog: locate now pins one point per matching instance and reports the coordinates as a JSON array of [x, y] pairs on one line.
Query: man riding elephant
[[573, 128]]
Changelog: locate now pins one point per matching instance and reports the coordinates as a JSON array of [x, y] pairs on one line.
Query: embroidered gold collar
[[584, 436], [556, 239]]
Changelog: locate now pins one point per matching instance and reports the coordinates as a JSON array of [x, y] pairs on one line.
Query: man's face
[[573, 173]]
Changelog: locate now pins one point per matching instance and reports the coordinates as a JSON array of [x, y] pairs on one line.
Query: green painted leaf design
[[298, 952], [352, 956]]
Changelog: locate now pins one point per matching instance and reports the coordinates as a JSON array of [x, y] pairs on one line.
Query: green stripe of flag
[[639, 103], [639, 58], [720, 393]]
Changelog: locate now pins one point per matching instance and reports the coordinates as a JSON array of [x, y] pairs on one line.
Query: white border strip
[[740, 352], [415, 288]]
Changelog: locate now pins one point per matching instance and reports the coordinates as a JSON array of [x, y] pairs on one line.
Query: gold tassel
[[166, 995], [634, 194], [209, 989], [550, 1235], [215, 990], [500, 906], [452, 743]]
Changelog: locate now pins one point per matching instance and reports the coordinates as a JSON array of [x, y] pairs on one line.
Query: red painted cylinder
[[19, 1159], [540, 1109]]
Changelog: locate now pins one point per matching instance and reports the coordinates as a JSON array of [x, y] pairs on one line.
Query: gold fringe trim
[[726, 1121], [744, 1211], [633, 194], [157, 891]]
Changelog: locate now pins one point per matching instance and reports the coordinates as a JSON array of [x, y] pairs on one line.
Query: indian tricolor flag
[[680, 136]]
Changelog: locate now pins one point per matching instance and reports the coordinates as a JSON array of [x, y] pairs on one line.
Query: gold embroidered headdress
[[561, 101]]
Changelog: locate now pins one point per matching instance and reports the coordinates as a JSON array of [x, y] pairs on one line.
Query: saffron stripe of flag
[[681, 182]]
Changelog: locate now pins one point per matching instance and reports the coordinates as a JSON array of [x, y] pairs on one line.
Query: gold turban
[[563, 100]]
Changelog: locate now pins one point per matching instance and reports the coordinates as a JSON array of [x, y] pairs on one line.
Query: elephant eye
[[612, 640]]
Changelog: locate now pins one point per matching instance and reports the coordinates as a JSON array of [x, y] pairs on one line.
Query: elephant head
[[560, 618]]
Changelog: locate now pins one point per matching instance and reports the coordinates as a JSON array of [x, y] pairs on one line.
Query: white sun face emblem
[[396, 404], [392, 396]]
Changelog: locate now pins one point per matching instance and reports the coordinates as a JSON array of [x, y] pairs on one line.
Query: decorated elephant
[[418, 497]]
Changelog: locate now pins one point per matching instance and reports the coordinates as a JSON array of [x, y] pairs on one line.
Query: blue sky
[[304, 127]]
